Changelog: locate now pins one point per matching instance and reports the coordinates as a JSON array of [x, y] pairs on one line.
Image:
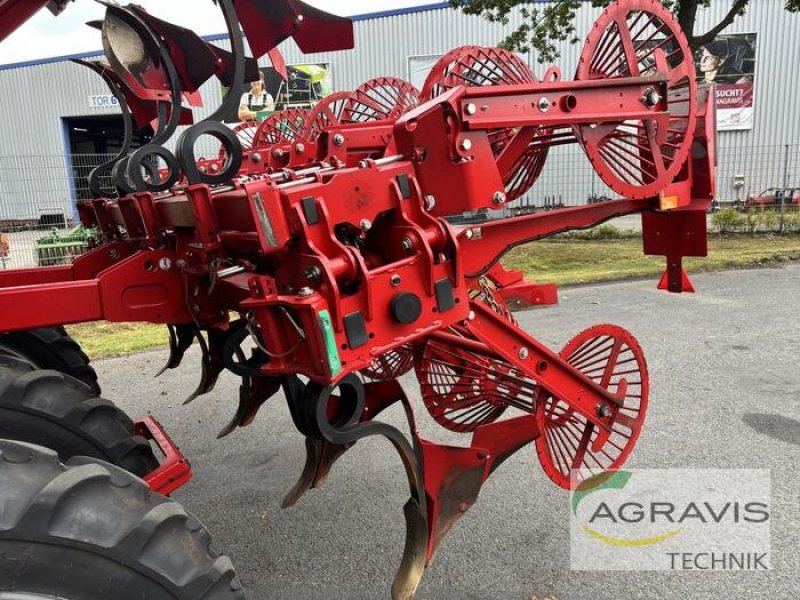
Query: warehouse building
[[60, 117]]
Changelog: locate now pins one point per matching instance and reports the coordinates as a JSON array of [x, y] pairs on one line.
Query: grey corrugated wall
[[33, 99]]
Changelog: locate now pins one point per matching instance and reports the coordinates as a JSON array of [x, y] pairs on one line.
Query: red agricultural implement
[[317, 256]]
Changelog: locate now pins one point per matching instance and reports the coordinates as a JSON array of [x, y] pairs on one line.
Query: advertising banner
[[730, 62]]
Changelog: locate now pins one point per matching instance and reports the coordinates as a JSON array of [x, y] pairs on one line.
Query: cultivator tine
[[454, 489], [310, 409], [440, 493], [412, 566], [181, 338], [195, 59], [253, 393], [321, 455], [210, 366]]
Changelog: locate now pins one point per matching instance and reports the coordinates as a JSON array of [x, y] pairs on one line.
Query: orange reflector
[[669, 202]]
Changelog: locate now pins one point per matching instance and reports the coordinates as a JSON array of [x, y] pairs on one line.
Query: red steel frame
[[342, 256], [125, 280]]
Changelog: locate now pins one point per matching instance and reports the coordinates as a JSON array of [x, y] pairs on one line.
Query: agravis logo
[[672, 519], [614, 480]]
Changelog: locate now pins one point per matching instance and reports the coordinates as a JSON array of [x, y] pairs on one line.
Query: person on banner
[[255, 101], [727, 60]]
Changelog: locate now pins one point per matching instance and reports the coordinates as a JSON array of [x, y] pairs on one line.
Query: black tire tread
[[93, 506], [53, 348], [59, 398]]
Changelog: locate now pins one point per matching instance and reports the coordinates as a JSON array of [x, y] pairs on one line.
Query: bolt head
[[305, 292], [466, 145], [604, 410], [499, 197], [430, 202], [338, 139], [165, 264], [524, 353], [471, 109], [469, 234], [256, 157], [395, 280], [365, 224], [651, 98], [300, 148], [471, 316], [544, 104], [408, 244], [313, 273]]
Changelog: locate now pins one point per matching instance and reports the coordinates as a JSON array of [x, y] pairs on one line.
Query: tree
[[546, 25]]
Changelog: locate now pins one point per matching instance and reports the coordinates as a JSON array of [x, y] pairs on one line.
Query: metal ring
[[119, 176], [319, 422], [225, 136], [232, 354], [141, 160]]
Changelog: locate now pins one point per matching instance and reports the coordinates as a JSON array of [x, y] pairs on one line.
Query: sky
[[45, 36]]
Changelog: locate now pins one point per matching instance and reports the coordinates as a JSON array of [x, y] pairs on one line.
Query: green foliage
[[728, 220], [755, 220], [599, 233], [543, 27], [769, 221], [751, 220], [546, 25], [791, 222]]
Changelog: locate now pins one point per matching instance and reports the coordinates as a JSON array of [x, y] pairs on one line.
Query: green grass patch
[[570, 261], [586, 257], [104, 340]]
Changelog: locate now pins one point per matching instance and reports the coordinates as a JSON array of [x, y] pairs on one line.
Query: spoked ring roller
[[282, 127], [380, 99], [476, 66], [638, 158], [391, 365], [464, 384], [327, 113], [570, 448], [464, 388]]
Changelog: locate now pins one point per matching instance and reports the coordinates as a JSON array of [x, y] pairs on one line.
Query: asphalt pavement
[[725, 393]]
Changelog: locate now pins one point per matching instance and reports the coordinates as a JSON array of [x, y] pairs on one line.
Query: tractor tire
[[51, 348], [56, 411], [87, 530]]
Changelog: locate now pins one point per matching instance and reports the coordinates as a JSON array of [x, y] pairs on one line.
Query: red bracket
[[529, 293], [519, 292], [675, 234], [675, 278], [174, 471]]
